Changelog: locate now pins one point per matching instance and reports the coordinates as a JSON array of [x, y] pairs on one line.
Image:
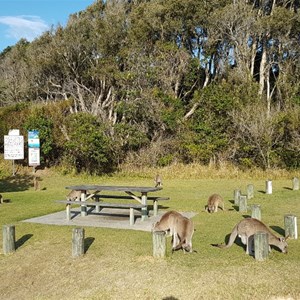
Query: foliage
[[153, 71], [39, 120], [88, 148]]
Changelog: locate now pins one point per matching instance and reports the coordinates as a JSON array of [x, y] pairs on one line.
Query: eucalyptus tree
[[14, 72]]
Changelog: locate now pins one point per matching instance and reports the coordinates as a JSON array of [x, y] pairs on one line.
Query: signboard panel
[[33, 139], [13, 147], [34, 156]]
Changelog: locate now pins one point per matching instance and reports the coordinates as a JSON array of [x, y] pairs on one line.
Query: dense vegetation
[[157, 82]]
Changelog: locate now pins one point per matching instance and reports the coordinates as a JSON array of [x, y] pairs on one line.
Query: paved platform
[[107, 218]]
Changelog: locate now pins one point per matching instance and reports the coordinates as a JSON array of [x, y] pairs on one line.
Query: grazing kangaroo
[[181, 229], [74, 195], [246, 229], [214, 201]]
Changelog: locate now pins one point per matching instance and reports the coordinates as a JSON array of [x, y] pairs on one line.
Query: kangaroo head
[[211, 208], [283, 246]]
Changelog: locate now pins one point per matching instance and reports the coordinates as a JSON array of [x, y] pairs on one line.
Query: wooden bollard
[[77, 242], [269, 187], [9, 241], [255, 211], [250, 191], [295, 184], [290, 226], [236, 196], [242, 203], [159, 244], [261, 246]]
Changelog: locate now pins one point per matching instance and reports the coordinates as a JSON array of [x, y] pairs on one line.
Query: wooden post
[[269, 187], [236, 196], [159, 244], [290, 226], [261, 246], [77, 242], [250, 191], [295, 184], [255, 211], [242, 203], [9, 239]]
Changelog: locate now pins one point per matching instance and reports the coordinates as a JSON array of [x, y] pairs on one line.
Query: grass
[[118, 264]]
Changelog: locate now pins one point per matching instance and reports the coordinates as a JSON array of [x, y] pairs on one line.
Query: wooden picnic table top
[[141, 189]]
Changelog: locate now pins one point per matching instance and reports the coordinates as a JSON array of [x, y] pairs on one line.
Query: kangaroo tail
[[232, 238]]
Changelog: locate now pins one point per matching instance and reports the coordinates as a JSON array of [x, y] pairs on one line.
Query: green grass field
[[118, 264]]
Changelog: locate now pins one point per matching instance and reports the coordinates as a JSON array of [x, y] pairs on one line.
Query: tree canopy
[[189, 81]]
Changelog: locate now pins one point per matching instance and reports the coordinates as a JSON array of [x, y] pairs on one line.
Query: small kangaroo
[[214, 201], [180, 228], [246, 229], [74, 195], [158, 181]]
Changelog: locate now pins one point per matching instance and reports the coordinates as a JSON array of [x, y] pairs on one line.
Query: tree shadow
[[16, 183], [170, 298], [21, 241], [87, 243], [288, 188]]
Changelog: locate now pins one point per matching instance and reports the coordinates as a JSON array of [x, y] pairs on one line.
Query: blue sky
[[30, 18]]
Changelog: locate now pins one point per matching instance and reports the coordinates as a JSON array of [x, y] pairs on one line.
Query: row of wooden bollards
[[78, 249], [261, 239], [261, 245], [9, 240]]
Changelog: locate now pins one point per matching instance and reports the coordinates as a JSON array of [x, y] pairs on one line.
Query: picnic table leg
[[68, 211], [155, 207], [83, 207], [131, 216], [144, 209]]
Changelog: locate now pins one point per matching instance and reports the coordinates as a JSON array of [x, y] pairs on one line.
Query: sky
[[30, 18]]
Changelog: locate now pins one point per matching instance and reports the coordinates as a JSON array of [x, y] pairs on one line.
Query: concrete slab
[[107, 218]]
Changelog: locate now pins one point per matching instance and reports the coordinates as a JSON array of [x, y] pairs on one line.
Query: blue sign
[[33, 139]]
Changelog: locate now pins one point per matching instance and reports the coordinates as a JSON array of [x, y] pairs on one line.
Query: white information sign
[[13, 147], [34, 156]]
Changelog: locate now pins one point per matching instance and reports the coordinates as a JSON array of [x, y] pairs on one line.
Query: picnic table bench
[[155, 200], [100, 204]]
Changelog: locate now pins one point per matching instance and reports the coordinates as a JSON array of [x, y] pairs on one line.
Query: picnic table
[[95, 193]]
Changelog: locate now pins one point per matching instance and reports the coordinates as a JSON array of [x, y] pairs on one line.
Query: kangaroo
[[158, 181], [246, 229], [74, 195], [214, 201], [180, 228]]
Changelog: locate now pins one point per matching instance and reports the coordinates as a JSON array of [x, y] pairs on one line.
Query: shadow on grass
[[16, 183], [262, 192], [21, 241], [170, 298], [237, 242], [279, 230], [288, 188], [87, 243]]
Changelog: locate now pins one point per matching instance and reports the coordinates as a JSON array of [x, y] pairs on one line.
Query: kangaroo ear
[[287, 237]]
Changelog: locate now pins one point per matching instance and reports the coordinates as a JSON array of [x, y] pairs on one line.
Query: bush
[[88, 148]]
